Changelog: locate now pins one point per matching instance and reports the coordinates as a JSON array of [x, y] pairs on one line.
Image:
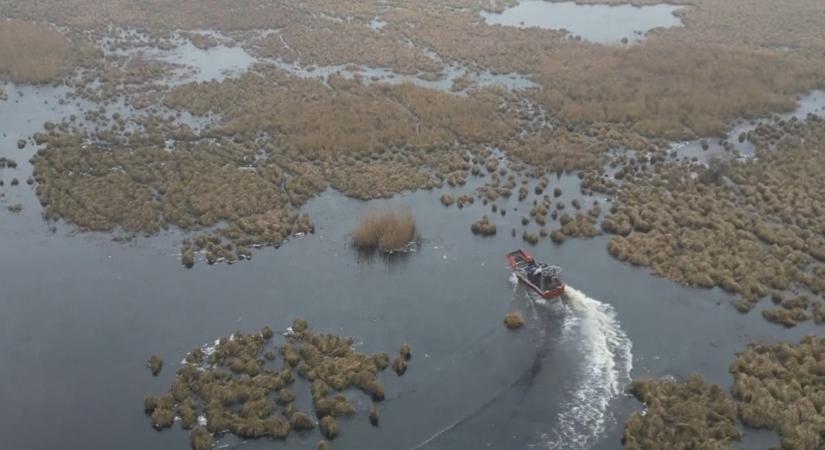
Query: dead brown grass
[[385, 230], [33, 52]]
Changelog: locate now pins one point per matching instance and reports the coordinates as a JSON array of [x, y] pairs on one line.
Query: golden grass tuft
[[386, 230], [513, 320]]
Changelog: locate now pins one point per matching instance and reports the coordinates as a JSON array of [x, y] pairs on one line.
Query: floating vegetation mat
[[235, 386]]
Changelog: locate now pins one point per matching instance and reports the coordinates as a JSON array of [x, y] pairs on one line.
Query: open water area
[[603, 24], [80, 313]]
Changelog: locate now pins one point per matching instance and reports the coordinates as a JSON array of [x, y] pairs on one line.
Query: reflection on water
[[596, 23]]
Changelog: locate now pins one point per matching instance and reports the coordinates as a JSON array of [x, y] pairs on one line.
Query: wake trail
[[606, 355]]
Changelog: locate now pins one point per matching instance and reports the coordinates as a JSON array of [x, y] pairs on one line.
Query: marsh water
[[604, 24], [79, 315]]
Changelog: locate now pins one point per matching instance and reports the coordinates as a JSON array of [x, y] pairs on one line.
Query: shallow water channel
[[604, 24]]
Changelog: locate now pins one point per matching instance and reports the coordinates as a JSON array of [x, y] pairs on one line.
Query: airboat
[[542, 278]]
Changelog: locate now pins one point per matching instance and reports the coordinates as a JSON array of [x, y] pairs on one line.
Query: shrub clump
[[681, 415], [384, 230], [513, 320], [483, 227]]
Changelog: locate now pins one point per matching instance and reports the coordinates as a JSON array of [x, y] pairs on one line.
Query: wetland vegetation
[[777, 387], [239, 386], [572, 138], [385, 231]]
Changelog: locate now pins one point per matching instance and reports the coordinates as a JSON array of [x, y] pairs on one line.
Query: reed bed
[[385, 230]]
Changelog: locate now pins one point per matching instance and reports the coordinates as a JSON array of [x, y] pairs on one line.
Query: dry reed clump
[[791, 312], [200, 439], [329, 427], [238, 392], [483, 226], [581, 225], [756, 232], [37, 52], [155, 364], [187, 254], [399, 365], [681, 415], [818, 312], [513, 320], [385, 230], [787, 317], [447, 200], [779, 387]]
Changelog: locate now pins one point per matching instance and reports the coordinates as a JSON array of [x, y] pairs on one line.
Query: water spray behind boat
[[606, 360]]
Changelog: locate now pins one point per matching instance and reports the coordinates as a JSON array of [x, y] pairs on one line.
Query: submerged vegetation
[[236, 389], [385, 230]]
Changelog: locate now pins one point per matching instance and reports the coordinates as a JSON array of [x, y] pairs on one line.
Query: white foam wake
[[605, 352]]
